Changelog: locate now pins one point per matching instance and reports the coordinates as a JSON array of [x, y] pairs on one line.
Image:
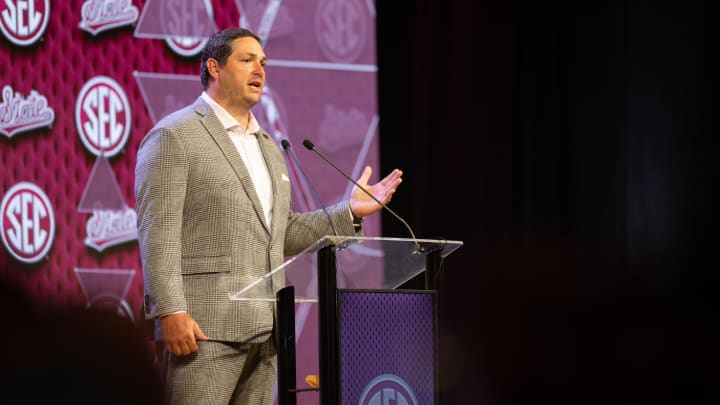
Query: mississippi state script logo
[[23, 22], [28, 222], [18, 114], [102, 15], [388, 389], [102, 116]]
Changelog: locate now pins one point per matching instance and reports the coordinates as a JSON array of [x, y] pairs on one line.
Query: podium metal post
[[285, 340], [329, 336], [432, 268]]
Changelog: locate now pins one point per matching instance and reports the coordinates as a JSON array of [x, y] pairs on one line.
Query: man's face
[[242, 79]]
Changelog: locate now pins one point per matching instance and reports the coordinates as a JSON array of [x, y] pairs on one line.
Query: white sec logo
[[23, 22], [102, 116], [28, 222], [388, 389], [186, 46]]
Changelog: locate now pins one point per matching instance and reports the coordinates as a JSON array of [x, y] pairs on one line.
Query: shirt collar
[[227, 120]]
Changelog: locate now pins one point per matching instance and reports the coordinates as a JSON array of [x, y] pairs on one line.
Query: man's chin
[[252, 101]]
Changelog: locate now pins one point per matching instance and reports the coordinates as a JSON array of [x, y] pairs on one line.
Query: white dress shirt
[[246, 142]]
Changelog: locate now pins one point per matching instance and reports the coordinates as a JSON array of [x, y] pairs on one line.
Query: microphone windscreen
[[308, 144], [285, 144]]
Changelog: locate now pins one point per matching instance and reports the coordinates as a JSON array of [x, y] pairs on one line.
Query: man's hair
[[219, 47]]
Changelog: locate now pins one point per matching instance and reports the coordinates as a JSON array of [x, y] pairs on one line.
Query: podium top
[[362, 263]]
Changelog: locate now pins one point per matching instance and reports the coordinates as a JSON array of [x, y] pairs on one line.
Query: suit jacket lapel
[[219, 134], [265, 142]]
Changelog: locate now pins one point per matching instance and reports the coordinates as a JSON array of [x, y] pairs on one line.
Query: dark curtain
[[567, 145]]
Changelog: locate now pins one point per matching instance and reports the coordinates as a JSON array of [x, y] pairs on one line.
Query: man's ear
[[213, 68]]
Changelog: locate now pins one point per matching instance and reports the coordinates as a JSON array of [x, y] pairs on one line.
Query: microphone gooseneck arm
[[286, 146], [310, 146]]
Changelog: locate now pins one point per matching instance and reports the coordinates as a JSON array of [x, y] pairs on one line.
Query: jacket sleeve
[[161, 173]]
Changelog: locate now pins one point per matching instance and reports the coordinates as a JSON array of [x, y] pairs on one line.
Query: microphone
[[310, 146], [286, 145]]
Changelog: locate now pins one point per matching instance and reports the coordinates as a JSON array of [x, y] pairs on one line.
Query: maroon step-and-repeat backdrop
[[81, 82]]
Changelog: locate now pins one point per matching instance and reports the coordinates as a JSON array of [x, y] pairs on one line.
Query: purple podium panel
[[387, 347]]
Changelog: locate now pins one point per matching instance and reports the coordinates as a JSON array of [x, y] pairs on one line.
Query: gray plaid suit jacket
[[201, 229]]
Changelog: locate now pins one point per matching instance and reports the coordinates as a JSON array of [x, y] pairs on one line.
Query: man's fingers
[[183, 347], [176, 349], [199, 334], [365, 176], [191, 347], [392, 179], [181, 333]]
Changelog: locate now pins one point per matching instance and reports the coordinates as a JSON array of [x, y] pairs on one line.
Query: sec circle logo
[[186, 46], [102, 116], [341, 28], [28, 222], [23, 22], [388, 389]]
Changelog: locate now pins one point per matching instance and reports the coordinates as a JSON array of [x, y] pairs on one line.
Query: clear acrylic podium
[[319, 274]]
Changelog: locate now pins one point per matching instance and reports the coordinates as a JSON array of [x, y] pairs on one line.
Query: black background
[[568, 146]]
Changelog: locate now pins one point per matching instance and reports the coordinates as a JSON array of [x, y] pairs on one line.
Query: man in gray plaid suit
[[213, 205]]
